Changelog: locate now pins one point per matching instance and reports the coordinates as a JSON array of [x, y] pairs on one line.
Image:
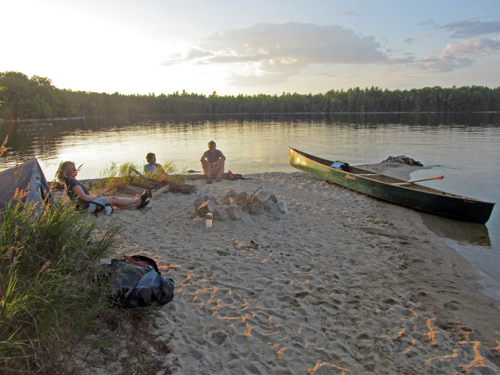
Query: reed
[[3, 148], [48, 300], [117, 176]]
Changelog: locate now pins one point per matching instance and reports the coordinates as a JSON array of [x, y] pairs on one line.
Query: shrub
[[48, 301]]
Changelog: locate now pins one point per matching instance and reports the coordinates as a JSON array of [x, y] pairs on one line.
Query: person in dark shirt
[[212, 162], [67, 173]]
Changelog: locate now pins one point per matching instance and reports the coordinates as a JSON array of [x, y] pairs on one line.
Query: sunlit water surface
[[465, 148]]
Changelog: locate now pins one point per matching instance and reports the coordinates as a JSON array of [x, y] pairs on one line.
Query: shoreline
[[342, 282]]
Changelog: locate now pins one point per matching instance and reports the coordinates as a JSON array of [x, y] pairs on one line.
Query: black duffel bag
[[137, 282]]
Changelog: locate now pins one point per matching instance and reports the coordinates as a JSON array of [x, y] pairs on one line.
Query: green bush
[[47, 299]]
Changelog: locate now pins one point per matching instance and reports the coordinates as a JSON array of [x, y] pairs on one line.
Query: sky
[[251, 47]]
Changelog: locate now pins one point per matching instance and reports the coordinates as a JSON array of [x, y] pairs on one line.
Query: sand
[[341, 284]]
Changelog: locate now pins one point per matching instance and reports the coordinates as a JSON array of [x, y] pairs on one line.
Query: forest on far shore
[[36, 98]]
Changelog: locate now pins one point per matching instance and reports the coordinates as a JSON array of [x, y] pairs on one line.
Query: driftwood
[[147, 179], [184, 188], [176, 188], [134, 190], [157, 192], [131, 190], [224, 176], [250, 197], [201, 176]]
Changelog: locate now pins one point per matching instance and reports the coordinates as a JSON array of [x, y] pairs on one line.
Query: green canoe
[[395, 190]]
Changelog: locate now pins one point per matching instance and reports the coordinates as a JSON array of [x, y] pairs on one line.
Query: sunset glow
[[231, 48]]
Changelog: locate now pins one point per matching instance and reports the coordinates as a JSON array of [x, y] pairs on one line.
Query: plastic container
[[209, 220]]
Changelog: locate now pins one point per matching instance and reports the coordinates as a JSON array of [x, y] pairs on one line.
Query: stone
[[232, 205], [229, 197], [221, 213], [270, 207], [401, 159], [256, 209], [201, 199], [205, 208], [281, 206], [235, 212], [242, 200], [262, 196]]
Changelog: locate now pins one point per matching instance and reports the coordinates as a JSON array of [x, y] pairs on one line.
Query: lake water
[[465, 148]]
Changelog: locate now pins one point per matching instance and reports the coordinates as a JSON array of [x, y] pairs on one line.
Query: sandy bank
[[343, 283]]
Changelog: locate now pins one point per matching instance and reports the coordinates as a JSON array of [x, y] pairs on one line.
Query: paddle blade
[[427, 179]]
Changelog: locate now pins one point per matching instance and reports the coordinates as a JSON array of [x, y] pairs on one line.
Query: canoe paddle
[[424, 179], [427, 179]]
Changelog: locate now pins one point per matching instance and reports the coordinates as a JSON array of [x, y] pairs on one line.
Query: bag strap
[[136, 262], [99, 208], [142, 261]]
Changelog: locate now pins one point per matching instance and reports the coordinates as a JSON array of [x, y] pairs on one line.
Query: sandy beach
[[341, 284]]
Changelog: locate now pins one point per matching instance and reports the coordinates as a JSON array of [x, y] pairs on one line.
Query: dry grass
[[117, 176], [47, 298]]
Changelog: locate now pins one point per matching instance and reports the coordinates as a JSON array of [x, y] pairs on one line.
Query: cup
[[209, 220]]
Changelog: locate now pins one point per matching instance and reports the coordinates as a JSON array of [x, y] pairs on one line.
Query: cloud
[[272, 53], [418, 40], [193, 54], [412, 40], [351, 12], [456, 56], [442, 65], [427, 23], [409, 59], [470, 28], [475, 47], [460, 55], [268, 72]]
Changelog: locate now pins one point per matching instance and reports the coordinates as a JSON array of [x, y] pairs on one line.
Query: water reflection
[[471, 241], [256, 143], [462, 232]]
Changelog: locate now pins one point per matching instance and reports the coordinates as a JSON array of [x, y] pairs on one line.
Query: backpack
[[236, 176], [137, 282], [343, 166]]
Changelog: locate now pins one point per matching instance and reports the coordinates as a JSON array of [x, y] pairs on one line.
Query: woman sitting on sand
[[76, 190]]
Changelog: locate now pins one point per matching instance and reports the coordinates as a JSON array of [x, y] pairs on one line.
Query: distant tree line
[[37, 98]]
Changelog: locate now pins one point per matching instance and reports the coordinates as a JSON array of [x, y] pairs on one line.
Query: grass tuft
[[47, 299], [117, 176]]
